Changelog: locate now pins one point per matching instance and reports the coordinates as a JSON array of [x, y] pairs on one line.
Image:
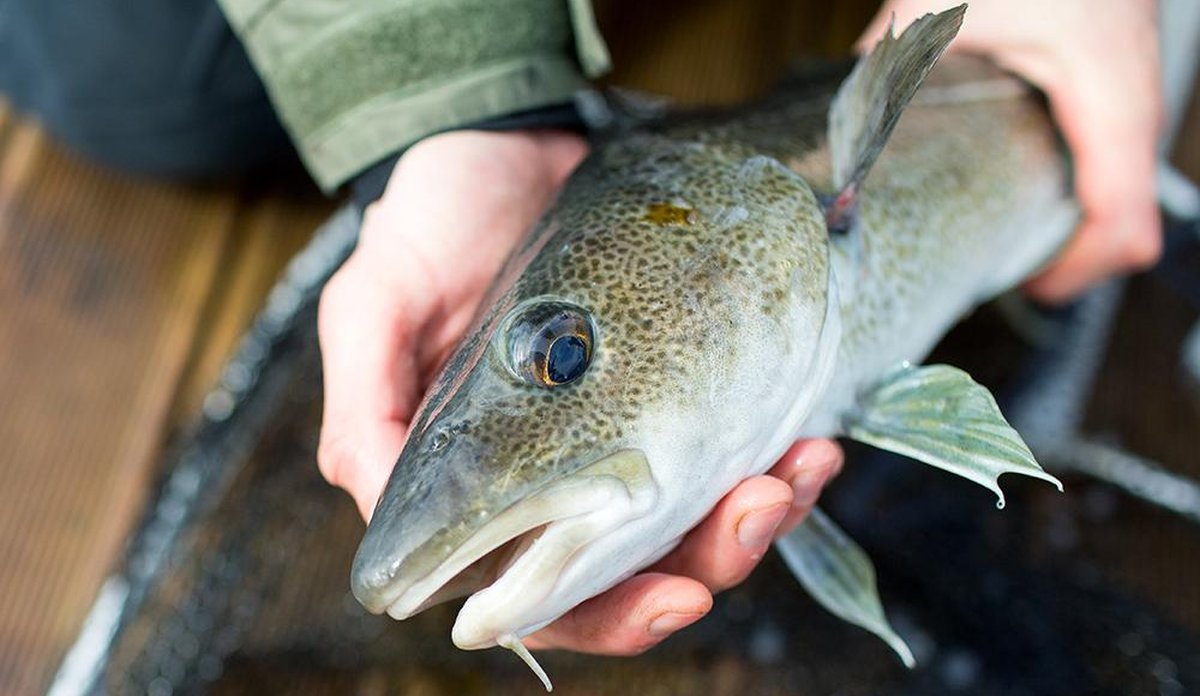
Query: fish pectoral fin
[[938, 415], [840, 576], [871, 99]]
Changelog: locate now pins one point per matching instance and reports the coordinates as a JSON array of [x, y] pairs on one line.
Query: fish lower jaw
[[489, 554], [481, 573], [523, 550], [523, 598]]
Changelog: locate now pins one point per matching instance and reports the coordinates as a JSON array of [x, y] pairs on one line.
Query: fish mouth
[[527, 545]]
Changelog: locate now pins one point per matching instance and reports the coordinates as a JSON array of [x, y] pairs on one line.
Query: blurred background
[[132, 448]]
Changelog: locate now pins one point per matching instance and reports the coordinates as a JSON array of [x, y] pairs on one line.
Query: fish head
[[661, 320]]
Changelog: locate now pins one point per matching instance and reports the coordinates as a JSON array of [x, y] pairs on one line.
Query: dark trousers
[[155, 86]]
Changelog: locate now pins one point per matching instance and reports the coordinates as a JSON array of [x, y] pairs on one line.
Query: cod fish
[[703, 292]]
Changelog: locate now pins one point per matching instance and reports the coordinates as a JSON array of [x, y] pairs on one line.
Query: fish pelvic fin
[[871, 99], [938, 415], [840, 576]]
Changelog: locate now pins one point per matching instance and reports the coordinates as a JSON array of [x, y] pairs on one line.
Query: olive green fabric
[[357, 81]]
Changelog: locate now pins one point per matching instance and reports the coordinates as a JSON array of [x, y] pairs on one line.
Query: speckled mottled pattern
[[689, 242], [960, 206], [996, 171], [671, 246]]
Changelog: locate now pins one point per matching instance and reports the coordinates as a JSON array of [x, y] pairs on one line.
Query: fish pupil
[[567, 359]]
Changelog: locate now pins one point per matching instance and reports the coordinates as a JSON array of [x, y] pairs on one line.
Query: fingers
[[1112, 134], [808, 467], [640, 612], [359, 459], [628, 619], [726, 546], [562, 152], [1103, 87], [366, 381], [453, 209], [1099, 250]]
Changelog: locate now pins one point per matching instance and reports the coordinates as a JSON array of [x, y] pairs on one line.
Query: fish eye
[[549, 343]]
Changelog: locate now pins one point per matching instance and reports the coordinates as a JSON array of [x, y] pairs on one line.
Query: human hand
[[1098, 63], [454, 207]]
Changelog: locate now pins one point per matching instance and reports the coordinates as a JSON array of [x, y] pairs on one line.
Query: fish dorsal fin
[[870, 101], [840, 576], [938, 415]]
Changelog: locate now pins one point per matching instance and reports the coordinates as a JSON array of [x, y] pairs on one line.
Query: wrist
[[368, 186]]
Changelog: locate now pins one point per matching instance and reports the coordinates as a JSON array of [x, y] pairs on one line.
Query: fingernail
[[756, 529], [806, 485], [668, 623]]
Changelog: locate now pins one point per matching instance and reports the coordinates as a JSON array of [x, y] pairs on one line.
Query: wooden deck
[[120, 298]]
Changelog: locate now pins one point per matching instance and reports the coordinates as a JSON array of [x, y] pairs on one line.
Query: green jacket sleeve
[[357, 80]]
